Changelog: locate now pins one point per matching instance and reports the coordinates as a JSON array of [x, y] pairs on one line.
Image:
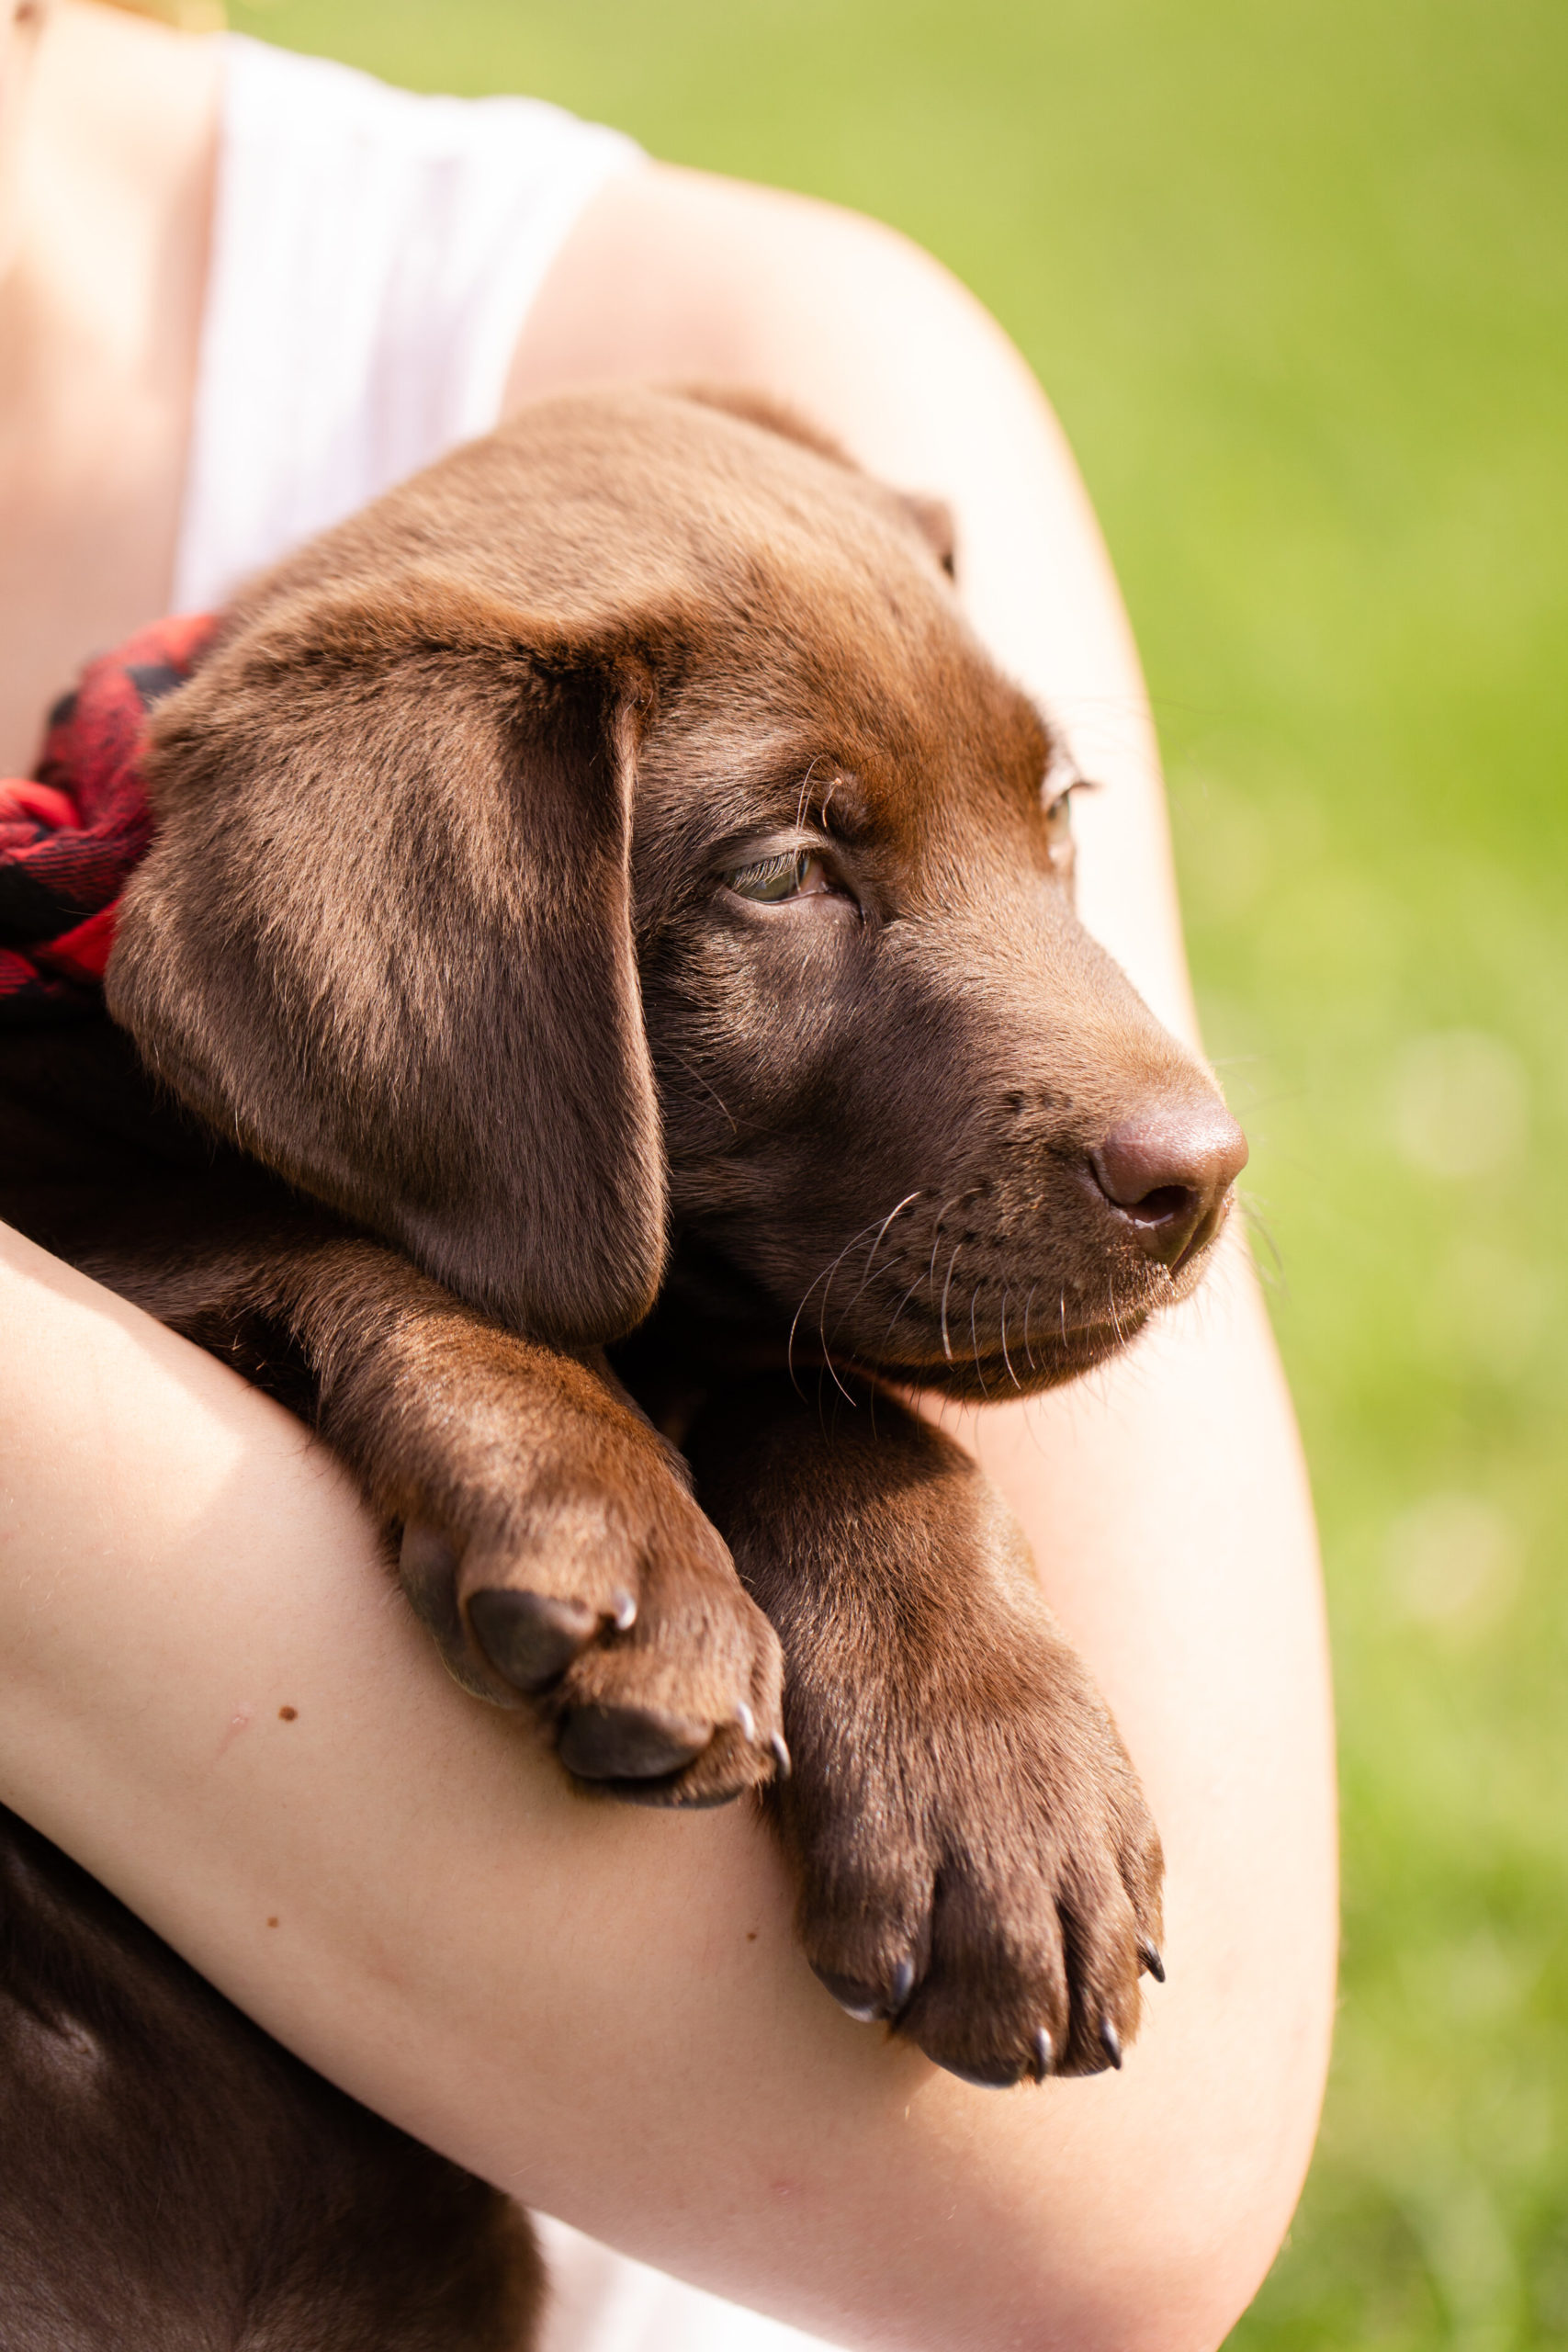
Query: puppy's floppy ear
[[383, 937]]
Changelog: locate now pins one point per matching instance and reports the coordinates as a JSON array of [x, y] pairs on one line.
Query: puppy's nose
[[1167, 1174]]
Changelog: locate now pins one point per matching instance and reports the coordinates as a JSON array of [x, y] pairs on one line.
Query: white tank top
[[373, 257]]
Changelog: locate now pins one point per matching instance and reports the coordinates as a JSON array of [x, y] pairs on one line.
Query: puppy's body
[[607, 876]]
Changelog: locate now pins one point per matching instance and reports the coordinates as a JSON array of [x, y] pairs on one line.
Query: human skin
[[600, 2008]]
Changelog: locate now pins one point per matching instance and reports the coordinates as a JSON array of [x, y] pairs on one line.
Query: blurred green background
[[1294, 272]]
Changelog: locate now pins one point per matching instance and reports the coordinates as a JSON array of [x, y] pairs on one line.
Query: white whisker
[[946, 1343], [876, 1245], [974, 1342], [805, 790], [936, 1237], [1006, 1358], [899, 1310]]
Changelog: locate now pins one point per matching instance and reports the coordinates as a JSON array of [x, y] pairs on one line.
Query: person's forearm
[[602, 2008]]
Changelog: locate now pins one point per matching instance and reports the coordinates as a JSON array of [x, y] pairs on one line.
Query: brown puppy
[[605, 890]]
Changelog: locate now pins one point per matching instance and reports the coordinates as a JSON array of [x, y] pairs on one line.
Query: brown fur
[[435, 937]]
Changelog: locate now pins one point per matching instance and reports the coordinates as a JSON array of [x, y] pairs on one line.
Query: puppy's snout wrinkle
[[1167, 1174]]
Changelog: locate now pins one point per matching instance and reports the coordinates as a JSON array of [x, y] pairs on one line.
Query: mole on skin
[[287, 1715]]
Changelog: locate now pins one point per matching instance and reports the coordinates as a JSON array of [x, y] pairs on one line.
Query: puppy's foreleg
[[547, 1534], [976, 1861]]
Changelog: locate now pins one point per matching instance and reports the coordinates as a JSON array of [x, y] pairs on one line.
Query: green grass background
[[1294, 273]]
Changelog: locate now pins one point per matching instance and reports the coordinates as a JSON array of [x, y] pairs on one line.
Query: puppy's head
[[617, 834]]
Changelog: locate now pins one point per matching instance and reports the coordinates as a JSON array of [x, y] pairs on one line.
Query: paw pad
[[629, 1742], [530, 1637]]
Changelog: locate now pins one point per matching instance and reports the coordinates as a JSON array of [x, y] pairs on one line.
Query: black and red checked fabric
[[71, 833]]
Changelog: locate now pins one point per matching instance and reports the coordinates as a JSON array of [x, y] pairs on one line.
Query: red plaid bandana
[[70, 835]]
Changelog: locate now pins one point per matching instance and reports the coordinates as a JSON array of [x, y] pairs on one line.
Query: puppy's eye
[[794, 874], [1062, 780], [1059, 816]]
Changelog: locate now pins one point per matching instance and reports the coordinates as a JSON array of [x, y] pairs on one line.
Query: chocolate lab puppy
[[603, 1019]]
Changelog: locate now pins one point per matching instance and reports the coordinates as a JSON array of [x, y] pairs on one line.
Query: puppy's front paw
[[975, 1860], [602, 1595], [987, 1878]]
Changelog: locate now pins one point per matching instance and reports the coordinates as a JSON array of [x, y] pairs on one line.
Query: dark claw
[[528, 1637], [1110, 2042], [1148, 1955], [1043, 2053], [862, 2002], [428, 1566], [903, 1985], [629, 1742], [781, 1754]]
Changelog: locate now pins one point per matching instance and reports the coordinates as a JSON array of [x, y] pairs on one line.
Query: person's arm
[[603, 2009]]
